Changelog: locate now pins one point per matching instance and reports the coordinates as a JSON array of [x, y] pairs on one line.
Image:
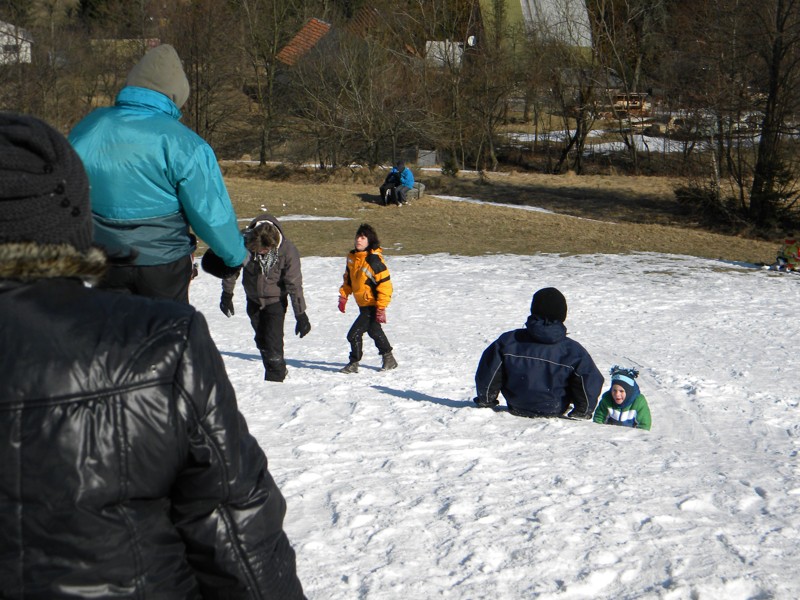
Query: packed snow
[[398, 487], [643, 142]]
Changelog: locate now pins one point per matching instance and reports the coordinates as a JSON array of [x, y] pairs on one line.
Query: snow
[[643, 142], [399, 487], [474, 201]]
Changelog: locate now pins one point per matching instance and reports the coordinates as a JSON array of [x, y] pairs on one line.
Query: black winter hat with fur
[[549, 303], [44, 191]]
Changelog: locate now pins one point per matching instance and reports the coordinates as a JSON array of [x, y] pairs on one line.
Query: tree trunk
[[763, 192]]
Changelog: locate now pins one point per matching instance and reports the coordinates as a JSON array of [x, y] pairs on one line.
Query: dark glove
[[303, 325], [380, 315], [226, 304], [342, 303], [215, 266], [484, 403]]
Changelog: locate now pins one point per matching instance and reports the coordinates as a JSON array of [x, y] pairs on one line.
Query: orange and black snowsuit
[[367, 278]]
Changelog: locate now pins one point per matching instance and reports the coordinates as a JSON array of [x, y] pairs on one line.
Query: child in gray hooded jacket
[[270, 276]]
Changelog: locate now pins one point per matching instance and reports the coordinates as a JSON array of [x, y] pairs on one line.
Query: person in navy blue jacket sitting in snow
[[539, 370], [397, 184]]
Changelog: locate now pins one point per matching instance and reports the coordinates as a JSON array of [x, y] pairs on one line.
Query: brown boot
[[351, 367], [388, 362]]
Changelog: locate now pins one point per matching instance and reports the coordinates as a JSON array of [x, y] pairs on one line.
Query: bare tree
[[108, 37], [776, 41], [734, 73], [46, 77], [710, 86], [217, 108], [319, 107], [628, 35], [572, 72], [445, 34], [492, 78], [16, 70], [350, 94], [267, 26]]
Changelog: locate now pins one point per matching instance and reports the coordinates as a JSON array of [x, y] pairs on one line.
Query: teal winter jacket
[[407, 178], [151, 179]]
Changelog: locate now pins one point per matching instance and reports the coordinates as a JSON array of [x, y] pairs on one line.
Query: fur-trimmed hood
[[264, 218], [27, 261]]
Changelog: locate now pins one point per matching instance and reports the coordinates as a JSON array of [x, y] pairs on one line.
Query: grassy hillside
[[596, 214]]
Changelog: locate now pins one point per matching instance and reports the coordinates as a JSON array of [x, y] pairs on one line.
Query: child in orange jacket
[[366, 277]]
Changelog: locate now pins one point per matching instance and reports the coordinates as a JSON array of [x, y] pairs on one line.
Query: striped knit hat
[[625, 378]]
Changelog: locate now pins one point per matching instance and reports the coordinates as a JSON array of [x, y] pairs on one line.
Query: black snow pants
[[267, 324], [366, 323], [170, 281]]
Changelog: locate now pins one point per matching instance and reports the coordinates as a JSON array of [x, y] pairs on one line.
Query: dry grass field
[[591, 214]]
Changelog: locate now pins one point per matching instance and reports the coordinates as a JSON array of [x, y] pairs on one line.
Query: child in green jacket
[[623, 404]]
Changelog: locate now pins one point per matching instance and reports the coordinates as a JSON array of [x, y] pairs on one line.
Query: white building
[[564, 20], [15, 44]]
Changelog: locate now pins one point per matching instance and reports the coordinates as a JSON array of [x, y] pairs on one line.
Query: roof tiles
[[308, 37]]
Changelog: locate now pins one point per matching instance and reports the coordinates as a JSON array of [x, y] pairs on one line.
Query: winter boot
[[274, 368], [276, 375], [351, 367], [388, 362]]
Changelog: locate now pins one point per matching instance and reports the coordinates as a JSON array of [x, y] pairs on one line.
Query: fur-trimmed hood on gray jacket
[[127, 467], [269, 278]]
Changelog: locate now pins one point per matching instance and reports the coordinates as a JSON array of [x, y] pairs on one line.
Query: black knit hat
[[44, 191], [549, 303]]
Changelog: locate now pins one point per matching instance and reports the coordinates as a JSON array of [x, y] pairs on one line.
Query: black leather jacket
[[127, 469]]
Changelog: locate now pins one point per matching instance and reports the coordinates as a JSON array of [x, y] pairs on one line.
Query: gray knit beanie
[[160, 70], [44, 191]]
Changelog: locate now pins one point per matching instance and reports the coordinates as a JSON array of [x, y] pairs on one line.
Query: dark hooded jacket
[[266, 283], [540, 372], [128, 471]]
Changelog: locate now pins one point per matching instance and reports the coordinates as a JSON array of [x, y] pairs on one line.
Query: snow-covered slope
[[398, 487]]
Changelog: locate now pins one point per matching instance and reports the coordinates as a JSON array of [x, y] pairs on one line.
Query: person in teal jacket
[[624, 404], [152, 179], [397, 184]]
